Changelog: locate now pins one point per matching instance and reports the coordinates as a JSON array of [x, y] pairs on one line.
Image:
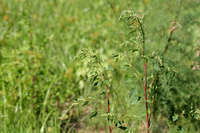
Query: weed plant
[[79, 66]]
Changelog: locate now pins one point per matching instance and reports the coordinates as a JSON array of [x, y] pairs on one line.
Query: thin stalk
[[171, 31], [173, 27], [146, 97], [108, 105], [145, 71]]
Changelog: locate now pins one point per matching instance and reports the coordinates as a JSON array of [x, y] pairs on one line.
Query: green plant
[[134, 22], [48, 84]]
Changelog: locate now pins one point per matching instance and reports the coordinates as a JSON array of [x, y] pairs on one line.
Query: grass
[[51, 52]]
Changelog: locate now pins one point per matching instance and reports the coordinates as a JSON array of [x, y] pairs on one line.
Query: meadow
[[99, 66]]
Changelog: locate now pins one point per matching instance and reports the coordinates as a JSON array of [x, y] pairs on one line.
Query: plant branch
[[171, 31], [108, 104], [145, 71], [173, 28]]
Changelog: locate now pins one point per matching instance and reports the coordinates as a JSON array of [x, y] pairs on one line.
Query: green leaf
[[85, 103], [93, 114], [175, 117]]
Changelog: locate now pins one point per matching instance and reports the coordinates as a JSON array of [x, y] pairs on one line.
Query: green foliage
[[58, 57]]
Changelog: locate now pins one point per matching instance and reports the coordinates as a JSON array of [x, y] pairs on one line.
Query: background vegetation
[[59, 59]]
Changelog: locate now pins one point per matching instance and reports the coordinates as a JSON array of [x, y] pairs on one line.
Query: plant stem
[[108, 105], [172, 29], [145, 71], [146, 97]]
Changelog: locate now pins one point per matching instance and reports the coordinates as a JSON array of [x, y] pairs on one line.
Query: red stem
[[108, 105], [146, 97], [145, 71], [108, 108]]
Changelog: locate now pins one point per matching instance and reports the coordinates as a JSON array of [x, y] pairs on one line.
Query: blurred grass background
[[42, 82]]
